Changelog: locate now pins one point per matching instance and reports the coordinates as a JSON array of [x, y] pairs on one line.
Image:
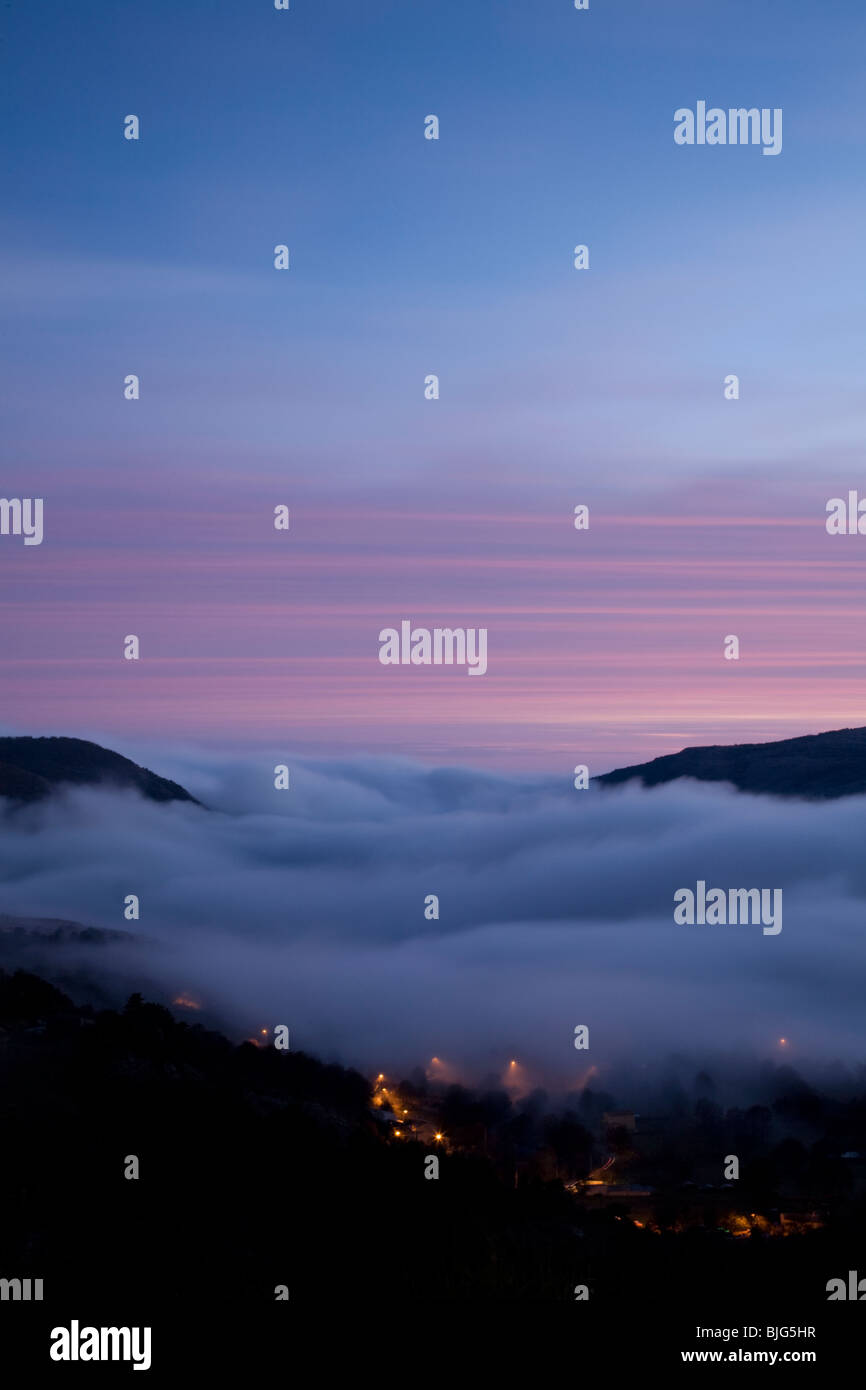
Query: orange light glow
[[183, 1001]]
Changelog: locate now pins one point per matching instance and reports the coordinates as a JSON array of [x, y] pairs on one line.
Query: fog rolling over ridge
[[306, 907]]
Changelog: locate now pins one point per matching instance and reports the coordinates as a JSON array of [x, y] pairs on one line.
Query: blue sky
[[408, 257], [306, 127]]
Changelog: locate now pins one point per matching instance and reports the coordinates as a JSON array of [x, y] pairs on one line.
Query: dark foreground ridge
[[816, 767], [33, 768], [259, 1171]]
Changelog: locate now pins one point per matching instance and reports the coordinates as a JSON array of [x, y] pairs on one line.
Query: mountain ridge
[[31, 769], [811, 767]]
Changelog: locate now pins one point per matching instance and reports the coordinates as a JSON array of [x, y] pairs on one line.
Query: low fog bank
[[307, 907]]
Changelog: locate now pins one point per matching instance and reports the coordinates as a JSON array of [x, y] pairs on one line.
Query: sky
[[409, 256]]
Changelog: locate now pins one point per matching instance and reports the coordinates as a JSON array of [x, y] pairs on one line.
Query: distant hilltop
[[32, 768], [817, 767]]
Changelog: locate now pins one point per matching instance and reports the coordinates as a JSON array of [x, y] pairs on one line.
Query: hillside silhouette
[[260, 1168], [32, 768], [815, 767]]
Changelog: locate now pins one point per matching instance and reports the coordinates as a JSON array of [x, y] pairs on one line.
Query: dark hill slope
[[32, 768], [815, 767]]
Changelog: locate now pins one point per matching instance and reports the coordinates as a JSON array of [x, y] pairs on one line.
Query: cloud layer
[[556, 908]]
